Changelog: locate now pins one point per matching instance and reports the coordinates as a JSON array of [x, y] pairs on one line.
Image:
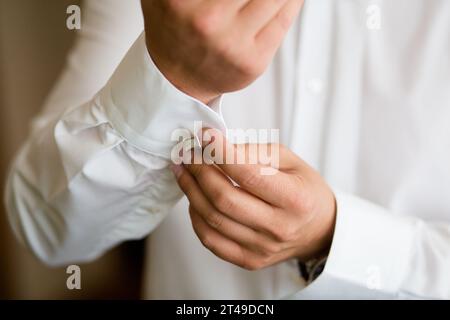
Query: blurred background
[[33, 43]]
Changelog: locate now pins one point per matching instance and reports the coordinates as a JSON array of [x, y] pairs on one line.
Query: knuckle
[[253, 264], [285, 233], [271, 248], [284, 20], [214, 219], [302, 202], [197, 171], [298, 199], [241, 259], [225, 48], [294, 201], [206, 241], [205, 22], [224, 202], [289, 233], [252, 179], [307, 206], [251, 67]]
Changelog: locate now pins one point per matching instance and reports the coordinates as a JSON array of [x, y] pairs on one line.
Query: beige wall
[[33, 44]]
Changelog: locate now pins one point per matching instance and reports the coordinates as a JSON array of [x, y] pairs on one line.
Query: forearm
[[77, 188], [98, 174]]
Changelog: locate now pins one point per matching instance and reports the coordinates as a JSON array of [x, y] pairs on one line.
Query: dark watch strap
[[312, 269]]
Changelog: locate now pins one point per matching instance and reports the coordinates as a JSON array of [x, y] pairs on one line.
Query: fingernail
[[177, 170]]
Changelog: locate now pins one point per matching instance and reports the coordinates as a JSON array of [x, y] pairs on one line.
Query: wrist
[[182, 79], [322, 232]]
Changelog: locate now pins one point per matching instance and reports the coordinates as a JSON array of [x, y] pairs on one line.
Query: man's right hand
[[209, 47]]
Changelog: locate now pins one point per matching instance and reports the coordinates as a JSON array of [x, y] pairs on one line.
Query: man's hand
[[264, 220], [209, 47]]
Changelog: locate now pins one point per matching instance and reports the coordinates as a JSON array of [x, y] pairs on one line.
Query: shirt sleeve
[[377, 254], [95, 174]]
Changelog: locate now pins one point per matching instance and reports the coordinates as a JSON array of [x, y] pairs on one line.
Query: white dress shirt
[[368, 105]]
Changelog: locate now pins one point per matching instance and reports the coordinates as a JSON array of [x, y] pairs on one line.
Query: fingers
[[203, 212], [225, 248], [269, 154], [277, 189], [272, 34], [233, 6], [256, 14], [244, 236], [231, 201], [217, 14], [223, 205], [217, 243]]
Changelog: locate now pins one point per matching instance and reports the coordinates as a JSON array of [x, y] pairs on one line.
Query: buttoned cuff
[[146, 109], [371, 246], [369, 256]]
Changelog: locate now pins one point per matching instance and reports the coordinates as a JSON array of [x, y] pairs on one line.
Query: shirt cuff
[[371, 246], [146, 109]]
